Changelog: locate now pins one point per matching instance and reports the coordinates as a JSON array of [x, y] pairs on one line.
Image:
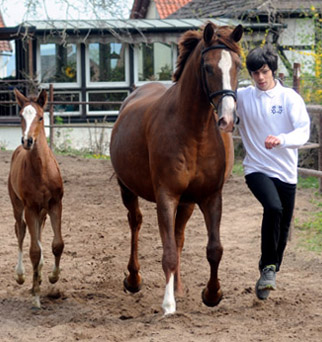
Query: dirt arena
[[89, 304]]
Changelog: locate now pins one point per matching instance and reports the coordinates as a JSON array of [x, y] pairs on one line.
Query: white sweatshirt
[[280, 112]]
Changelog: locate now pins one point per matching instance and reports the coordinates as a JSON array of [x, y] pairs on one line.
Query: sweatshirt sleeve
[[300, 121]]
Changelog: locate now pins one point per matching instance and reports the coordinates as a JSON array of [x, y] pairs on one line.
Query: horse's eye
[[209, 69], [41, 118]]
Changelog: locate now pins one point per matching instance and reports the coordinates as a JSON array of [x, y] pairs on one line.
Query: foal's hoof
[[211, 300], [131, 288], [54, 276]]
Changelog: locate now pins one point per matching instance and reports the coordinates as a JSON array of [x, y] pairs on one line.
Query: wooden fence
[[314, 110]]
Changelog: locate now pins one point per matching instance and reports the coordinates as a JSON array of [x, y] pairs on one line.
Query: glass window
[[7, 60], [107, 62], [66, 108], [117, 96], [58, 63], [155, 62]]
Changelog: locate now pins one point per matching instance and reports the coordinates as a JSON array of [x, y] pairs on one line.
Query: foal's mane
[[190, 40]]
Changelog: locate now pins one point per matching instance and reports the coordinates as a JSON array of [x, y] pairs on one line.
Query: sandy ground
[[89, 304]]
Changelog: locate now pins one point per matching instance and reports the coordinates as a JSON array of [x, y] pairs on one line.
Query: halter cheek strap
[[223, 92]]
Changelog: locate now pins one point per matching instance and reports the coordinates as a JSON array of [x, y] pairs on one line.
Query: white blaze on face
[[225, 64], [29, 115]]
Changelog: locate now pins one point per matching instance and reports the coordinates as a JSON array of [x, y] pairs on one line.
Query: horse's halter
[[223, 92]]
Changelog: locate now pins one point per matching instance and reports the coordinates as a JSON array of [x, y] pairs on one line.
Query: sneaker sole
[[266, 287]]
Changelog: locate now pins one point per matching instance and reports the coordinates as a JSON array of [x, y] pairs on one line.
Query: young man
[[273, 124]]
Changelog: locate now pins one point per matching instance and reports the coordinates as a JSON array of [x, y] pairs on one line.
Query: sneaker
[[267, 280], [261, 294]]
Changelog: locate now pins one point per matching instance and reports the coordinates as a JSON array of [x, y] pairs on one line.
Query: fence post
[[51, 116], [281, 77], [296, 76]]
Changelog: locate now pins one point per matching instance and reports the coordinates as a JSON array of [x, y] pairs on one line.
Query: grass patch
[[308, 183], [311, 229]]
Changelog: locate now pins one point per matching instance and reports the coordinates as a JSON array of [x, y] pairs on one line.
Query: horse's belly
[[130, 160]]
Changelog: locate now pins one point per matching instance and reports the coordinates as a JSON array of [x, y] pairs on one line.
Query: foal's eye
[[41, 118]]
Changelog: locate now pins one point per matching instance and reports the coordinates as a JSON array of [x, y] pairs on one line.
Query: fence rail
[[312, 109]]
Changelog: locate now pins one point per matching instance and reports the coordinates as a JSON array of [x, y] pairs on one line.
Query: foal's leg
[[133, 281], [20, 230], [166, 209], [57, 246], [212, 209], [33, 221], [184, 212]]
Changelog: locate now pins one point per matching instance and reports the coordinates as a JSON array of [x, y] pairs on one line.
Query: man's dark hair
[[261, 56]]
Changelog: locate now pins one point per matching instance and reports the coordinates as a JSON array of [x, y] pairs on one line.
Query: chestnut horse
[[166, 147], [35, 188]]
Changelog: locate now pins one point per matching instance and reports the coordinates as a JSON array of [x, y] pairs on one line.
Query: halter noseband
[[223, 92]]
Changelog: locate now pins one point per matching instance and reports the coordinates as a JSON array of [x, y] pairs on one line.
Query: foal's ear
[[42, 98], [237, 33], [208, 33], [21, 99]]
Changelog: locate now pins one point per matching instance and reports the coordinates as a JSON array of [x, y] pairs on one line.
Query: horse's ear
[[42, 98], [21, 99], [237, 33], [208, 33]]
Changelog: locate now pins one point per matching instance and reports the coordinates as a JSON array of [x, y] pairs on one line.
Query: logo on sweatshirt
[[277, 110]]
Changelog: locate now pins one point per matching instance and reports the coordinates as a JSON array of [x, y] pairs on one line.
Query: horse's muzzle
[[228, 127], [27, 144]]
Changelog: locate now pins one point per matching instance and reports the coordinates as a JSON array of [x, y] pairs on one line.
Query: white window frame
[[59, 85], [174, 48], [125, 83]]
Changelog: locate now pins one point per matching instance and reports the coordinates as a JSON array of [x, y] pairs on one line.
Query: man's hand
[[271, 142]]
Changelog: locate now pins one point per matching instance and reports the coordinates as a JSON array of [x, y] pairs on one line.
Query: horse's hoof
[[214, 301], [132, 289], [20, 278]]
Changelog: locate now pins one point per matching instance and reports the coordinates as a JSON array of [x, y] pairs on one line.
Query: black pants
[[277, 199]]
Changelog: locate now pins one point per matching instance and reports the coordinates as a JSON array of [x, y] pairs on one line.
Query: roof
[[167, 7], [5, 46], [242, 8], [123, 24], [128, 30]]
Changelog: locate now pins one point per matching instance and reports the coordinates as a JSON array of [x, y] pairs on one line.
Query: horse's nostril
[[30, 141], [22, 140]]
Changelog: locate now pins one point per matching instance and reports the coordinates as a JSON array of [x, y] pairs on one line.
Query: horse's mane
[[190, 40]]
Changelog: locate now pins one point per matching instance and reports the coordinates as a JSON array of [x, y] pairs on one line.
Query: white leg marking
[[20, 269], [169, 303], [225, 64], [29, 115], [41, 261]]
